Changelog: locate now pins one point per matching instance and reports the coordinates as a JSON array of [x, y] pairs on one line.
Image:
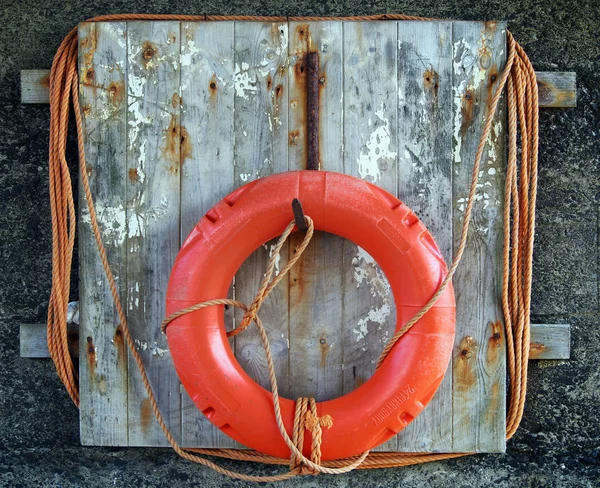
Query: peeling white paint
[[187, 51], [376, 148], [367, 271], [277, 258], [157, 351], [245, 177], [244, 84], [112, 222], [283, 39]]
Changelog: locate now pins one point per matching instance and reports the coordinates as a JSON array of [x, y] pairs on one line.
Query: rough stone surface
[[559, 441]]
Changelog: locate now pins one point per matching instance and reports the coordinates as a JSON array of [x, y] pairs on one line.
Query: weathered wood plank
[[557, 89], [153, 199], [479, 380], [370, 152], [207, 161], [425, 180], [550, 341], [33, 340], [315, 283], [35, 86], [261, 141], [103, 373]]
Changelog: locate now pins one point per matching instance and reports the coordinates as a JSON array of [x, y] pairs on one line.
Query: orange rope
[[517, 80]]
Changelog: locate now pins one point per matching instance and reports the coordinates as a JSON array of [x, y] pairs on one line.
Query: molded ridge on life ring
[[356, 210]]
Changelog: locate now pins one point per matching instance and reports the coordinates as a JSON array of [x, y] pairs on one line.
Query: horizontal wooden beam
[[548, 341], [556, 89], [34, 341]]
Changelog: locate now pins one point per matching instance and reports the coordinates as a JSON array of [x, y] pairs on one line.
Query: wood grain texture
[[153, 200], [371, 153], [557, 89], [261, 141], [425, 180], [103, 369], [207, 117], [479, 369], [33, 340], [315, 283], [550, 341], [212, 106]]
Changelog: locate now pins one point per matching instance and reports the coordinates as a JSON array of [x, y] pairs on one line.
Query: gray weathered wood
[[153, 199], [550, 341], [207, 116], [315, 307], [557, 89], [33, 340], [103, 373], [261, 140], [35, 85], [207, 97], [371, 153], [479, 380], [425, 180]]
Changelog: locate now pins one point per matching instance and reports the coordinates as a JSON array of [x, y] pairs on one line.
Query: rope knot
[[307, 419]]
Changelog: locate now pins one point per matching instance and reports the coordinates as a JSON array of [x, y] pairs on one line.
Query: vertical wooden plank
[[425, 180], [153, 197], [261, 139], [479, 53], [103, 365], [370, 152], [315, 283], [207, 173]]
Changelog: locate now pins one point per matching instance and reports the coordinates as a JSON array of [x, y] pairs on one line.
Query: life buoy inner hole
[[327, 321]]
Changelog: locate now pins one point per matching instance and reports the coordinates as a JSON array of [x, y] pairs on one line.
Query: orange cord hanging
[[517, 80]]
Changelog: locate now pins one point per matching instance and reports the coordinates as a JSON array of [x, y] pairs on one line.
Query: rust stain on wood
[[324, 349], [466, 376], [149, 50], [134, 176], [536, 349], [91, 358], [494, 349], [431, 82], [467, 110], [176, 100], [178, 146], [119, 344], [293, 137], [116, 93], [491, 84], [145, 414], [213, 87], [491, 411], [552, 96]]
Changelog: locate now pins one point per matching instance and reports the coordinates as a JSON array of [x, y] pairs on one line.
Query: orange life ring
[[343, 205]]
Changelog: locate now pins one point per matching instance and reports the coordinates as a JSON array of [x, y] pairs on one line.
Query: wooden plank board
[[103, 373], [550, 341], [370, 153], [212, 106], [261, 141], [207, 98], [153, 201], [315, 283], [557, 89], [425, 180], [479, 369]]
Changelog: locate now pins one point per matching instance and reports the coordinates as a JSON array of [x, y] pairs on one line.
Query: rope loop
[[518, 80]]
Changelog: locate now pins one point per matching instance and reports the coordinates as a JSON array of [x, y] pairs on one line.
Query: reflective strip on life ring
[[342, 205]]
